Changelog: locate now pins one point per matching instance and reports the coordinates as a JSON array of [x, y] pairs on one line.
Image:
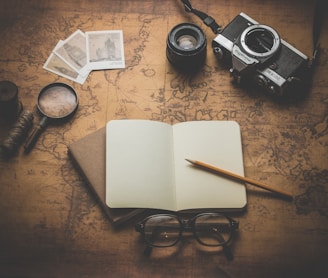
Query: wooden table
[[50, 224]]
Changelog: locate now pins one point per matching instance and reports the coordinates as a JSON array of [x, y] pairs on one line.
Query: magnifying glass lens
[[57, 101]]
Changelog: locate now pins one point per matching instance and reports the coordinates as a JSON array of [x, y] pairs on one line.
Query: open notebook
[[146, 166], [89, 156]]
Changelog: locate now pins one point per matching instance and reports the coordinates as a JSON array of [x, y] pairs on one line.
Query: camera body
[[256, 54]]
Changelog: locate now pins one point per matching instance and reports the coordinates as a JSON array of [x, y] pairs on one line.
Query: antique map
[[284, 144]]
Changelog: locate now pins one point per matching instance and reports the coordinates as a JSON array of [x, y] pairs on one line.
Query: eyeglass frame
[[188, 225]]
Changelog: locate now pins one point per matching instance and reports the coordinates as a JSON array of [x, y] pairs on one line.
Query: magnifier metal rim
[[57, 84]]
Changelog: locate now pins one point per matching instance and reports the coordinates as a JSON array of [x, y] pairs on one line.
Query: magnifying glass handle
[[35, 135]]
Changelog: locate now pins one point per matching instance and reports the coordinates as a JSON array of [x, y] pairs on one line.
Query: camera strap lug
[[208, 20]]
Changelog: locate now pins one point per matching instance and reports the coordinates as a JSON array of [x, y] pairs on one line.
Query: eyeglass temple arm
[[139, 227], [227, 252], [148, 250], [226, 249]]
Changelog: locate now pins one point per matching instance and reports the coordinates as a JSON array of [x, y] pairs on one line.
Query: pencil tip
[[189, 160]]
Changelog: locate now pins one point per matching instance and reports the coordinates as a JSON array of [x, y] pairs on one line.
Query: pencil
[[239, 178]]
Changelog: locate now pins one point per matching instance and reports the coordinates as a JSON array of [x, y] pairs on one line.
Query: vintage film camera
[[257, 55]]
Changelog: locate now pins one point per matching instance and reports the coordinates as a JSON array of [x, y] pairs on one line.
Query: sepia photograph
[[73, 52], [56, 65], [105, 49]]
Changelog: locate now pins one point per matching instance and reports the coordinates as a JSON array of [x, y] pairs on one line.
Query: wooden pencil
[[239, 178]]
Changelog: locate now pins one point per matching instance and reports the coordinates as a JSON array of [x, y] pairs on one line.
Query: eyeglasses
[[209, 229]]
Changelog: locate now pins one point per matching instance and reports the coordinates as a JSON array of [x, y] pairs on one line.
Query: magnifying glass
[[56, 102]]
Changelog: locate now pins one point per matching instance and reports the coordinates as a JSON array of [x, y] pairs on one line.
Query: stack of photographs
[[81, 53]]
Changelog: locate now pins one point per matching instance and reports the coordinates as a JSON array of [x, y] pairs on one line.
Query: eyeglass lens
[[209, 229], [212, 229], [162, 230]]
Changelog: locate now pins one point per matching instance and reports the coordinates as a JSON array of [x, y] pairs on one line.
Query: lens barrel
[[186, 47]]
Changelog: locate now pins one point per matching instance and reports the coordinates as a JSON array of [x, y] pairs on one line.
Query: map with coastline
[[280, 141]]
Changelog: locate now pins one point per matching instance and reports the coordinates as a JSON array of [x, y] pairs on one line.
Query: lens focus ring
[[186, 47]]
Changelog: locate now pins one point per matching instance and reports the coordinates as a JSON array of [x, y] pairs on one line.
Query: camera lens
[[186, 42], [186, 47]]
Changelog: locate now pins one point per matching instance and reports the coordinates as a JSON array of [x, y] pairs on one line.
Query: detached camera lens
[[186, 47], [187, 42]]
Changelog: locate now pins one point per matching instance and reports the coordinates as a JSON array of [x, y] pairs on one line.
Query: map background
[[49, 221]]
